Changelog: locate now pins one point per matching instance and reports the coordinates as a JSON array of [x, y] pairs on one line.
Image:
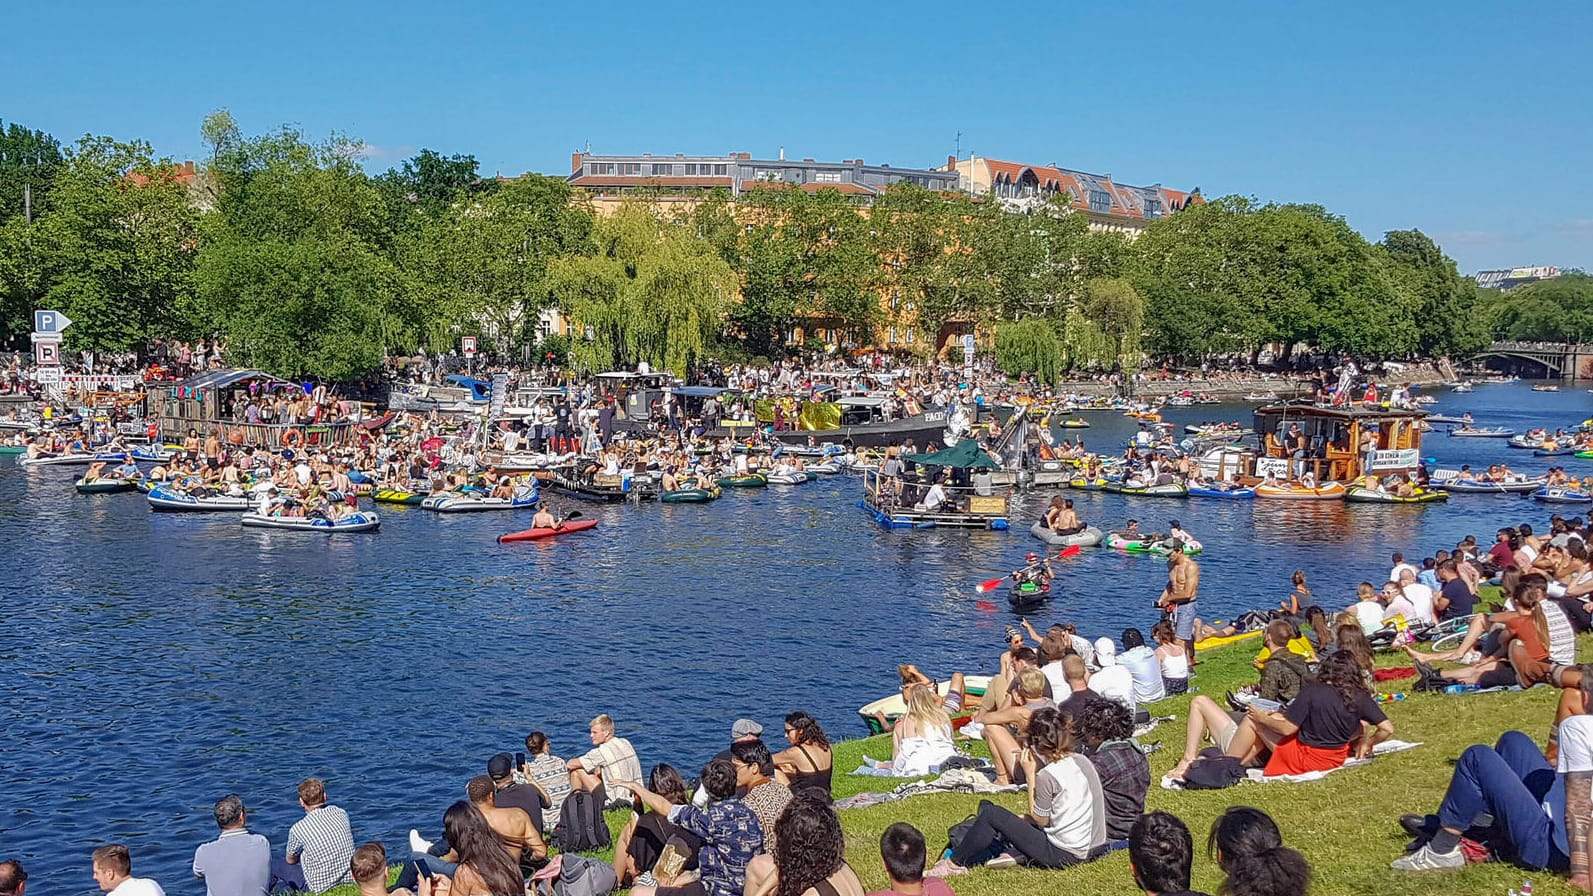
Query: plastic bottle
[[1466, 689], [1390, 698]]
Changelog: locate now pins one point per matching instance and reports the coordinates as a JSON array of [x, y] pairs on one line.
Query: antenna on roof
[[588, 149], [958, 152]]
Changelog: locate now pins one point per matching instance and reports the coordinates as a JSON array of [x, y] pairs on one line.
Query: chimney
[[575, 163], [782, 153], [951, 162]]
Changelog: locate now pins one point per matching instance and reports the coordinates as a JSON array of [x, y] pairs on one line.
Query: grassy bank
[[1345, 825]]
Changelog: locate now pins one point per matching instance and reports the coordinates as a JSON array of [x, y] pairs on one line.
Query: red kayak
[[534, 534]]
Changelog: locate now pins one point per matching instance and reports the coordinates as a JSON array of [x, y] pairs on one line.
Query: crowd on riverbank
[[758, 820]]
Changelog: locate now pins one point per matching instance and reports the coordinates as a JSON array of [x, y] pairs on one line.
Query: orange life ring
[[293, 439]]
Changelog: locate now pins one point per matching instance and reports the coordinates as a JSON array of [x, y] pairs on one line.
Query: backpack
[[583, 876], [581, 825], [1213, 771]]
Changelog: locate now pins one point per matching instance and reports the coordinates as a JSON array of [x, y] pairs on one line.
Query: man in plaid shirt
[[1104, 730]]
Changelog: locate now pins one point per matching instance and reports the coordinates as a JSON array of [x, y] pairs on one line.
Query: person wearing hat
[[741, 732], [513, 795], [1111, 680]]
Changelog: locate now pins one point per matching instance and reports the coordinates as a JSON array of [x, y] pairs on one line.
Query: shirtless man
[[512, 825], [1067, 522], [544, 519], [1178, 599]]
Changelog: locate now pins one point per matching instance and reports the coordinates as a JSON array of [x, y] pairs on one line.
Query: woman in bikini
[[807, 764]]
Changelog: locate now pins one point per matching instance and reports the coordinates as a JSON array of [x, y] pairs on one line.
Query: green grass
[[1345, 825]]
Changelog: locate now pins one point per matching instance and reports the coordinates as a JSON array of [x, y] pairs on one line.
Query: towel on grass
[[1256, 775], [957, 780]]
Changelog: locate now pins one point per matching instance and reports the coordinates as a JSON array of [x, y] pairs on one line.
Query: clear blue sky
[[1470, 120]]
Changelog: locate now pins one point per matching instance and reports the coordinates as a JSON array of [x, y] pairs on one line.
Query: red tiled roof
[[182, 174]]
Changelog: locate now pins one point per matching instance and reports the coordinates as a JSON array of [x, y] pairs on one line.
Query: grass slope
[[1345, 825]]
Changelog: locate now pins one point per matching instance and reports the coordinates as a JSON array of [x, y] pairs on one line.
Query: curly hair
[[1341, 671], [809, 845], [1249, 849], [808, 732], [1098, 721]]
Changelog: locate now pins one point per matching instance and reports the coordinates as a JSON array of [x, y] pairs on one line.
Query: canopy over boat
[[965, 455]]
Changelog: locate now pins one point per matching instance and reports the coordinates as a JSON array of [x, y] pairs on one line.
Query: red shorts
[[1294, 758]]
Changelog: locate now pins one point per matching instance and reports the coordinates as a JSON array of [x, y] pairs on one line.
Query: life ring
[[293, 439]]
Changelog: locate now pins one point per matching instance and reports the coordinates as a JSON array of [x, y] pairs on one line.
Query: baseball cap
[[745, 728], [500, 766], [1105, 652]]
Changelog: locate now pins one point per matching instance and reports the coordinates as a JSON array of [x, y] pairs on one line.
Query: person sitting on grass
[[810, 859], [904, 852], [1540, 819], [1174, 662], [920, 740], [1334, 716], [1004, 728], [1519, 645], [1161, 853], [1102, 731], [729, 830], [643, 841], [1066, 821], [806, 766], [1249, 849], [369, 869]]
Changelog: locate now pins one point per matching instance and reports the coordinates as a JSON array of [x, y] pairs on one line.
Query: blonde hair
[[1031, 682], [928, 713]]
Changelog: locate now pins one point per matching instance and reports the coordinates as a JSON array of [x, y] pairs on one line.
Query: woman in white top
[[1066, 821], [1175, 663], [921, 740]]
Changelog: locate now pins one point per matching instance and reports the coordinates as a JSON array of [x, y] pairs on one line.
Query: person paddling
[[545, 519]]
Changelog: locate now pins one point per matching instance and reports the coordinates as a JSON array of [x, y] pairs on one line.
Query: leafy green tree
[[928, 243], [1444, 313], [1116, 309], [803, 255], [1556, 310], [296, 268], [115, 251], [649, 290], [425, 187], [481, 264], [29, 160], [1030, 346]]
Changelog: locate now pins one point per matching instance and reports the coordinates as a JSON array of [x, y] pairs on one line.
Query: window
[[1100, 201], [630, 168], [766, 174], [892, 339], [662, 170], [912, 335], [602, 167], [896, 296], [721, 170], [827, 177], [1153, 208]]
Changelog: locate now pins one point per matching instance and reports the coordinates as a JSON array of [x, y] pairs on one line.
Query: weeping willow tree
[[1030, 346], [650, 290], [1105, 326]]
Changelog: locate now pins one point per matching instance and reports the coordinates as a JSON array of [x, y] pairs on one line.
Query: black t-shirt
[[1461, 601], [1574, 611], [1071, 705], [1324, 721], [524, 797]]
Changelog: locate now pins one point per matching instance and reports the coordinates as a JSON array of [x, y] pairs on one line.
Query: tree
[[1559, 309], [115, 251], [1117, 311], [649, 290], [1443, 298], [803, 255], [295, 270], [425, 187], [1030, 346], [482, 263], [29, 160], [928, 243]]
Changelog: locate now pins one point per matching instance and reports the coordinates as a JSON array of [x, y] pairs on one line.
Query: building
[[1110, 206], [1510, 278], [686, 178]]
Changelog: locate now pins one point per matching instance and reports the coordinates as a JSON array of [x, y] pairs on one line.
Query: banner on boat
[[1277, 467], [1395, 459]]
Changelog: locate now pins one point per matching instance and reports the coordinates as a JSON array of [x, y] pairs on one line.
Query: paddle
[[566, 518], [991, 584]]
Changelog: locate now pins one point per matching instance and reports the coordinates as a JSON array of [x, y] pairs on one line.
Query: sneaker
[[946, 868], [1425, 859], [1415, 825], [1005, 860], [418, 843]]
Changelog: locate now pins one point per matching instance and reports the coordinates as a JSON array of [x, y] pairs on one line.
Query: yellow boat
[[1327, 491]]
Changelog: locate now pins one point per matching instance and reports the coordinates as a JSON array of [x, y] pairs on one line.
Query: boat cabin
[[1337, 444], [213, 402], [633, 393]]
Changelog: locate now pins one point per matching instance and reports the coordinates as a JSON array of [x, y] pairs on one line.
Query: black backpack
[[581, 824]]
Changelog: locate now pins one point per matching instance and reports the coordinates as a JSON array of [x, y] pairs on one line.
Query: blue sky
[[1472, 121]]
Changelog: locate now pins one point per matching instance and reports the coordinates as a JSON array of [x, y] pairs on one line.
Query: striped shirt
[[324, 843]]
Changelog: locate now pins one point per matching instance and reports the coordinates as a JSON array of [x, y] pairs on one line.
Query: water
[[152, 663]]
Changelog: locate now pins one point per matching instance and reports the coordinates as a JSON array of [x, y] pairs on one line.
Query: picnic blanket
[[957, 780], [1256, 775]]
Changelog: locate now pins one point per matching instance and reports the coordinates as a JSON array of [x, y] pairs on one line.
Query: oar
[[991, 584], [566, 518]]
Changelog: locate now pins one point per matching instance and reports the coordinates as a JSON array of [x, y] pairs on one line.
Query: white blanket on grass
[[1257, 776]]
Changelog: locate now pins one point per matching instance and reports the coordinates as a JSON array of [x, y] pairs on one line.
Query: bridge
[[1559, 359]]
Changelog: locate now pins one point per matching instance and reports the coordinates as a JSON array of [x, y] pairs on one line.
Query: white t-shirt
[[1054, 674], [143, 886], [1399, 606], [1068, 791], [1393, 574], [1369, 613], [1146, 670], [1115, 683], [1420, 597], [1576, 755]]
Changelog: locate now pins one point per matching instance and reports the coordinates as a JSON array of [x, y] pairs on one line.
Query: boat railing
[[266, 435], [982, 497]]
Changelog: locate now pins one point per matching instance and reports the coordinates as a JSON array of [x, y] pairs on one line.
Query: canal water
[[152, 663]]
